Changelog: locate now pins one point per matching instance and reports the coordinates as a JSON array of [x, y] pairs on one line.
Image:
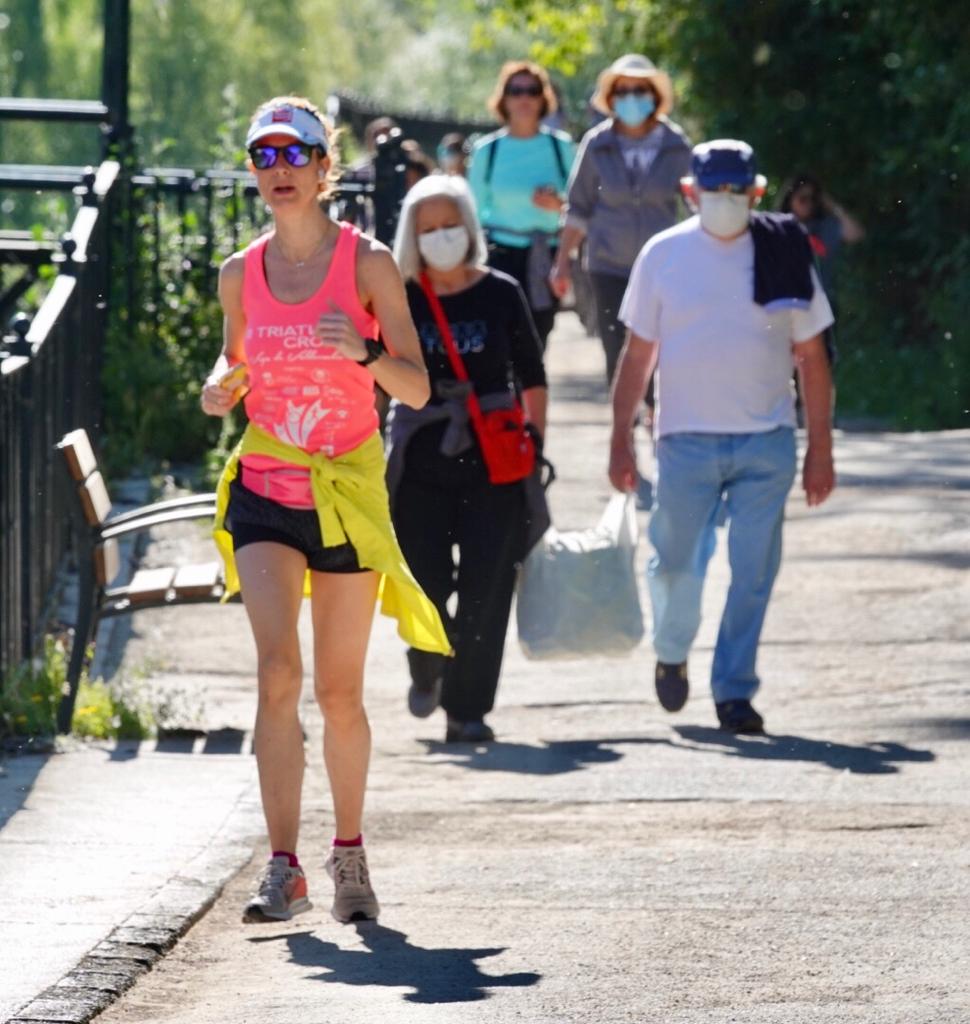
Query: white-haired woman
[[441, 494]]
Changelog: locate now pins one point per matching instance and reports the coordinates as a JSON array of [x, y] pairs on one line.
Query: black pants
[[609, 290], [515, 263], [445, 502]]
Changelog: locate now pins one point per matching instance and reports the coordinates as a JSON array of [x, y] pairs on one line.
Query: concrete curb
[[139, 942]]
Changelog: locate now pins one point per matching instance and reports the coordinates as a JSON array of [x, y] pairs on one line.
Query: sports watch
[[375, 349]]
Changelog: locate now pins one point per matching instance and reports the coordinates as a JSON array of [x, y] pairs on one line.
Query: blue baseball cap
[[723, 162]]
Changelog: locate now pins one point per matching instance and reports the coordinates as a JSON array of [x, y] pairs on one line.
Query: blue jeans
[[753, 473]]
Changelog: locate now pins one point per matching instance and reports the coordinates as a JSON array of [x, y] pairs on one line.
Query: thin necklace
[[306, 259]]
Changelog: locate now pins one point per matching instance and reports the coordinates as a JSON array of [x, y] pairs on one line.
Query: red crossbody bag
[[507, 447]]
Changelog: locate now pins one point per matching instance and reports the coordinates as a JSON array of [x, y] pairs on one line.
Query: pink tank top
[[303, 391]]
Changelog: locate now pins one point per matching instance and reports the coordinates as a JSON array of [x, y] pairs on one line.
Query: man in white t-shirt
[[722, 304]]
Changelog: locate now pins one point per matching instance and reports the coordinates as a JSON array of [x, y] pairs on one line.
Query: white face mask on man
[[724, 213], [444, 248]]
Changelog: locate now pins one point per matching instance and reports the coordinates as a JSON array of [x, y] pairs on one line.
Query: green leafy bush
[[112, 712], [31, 696]]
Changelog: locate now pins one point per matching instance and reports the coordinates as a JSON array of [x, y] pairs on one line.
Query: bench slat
[[197, 580], [94, 499], [150, 584], [107, 562], [79, 455]]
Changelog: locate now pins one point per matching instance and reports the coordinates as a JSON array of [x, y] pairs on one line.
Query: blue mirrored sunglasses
[[296, 154]]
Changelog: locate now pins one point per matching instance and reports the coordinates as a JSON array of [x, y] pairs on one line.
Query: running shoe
[[280, 893], [353, 897]]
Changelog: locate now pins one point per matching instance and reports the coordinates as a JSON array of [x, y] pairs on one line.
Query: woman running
[[302, 502]]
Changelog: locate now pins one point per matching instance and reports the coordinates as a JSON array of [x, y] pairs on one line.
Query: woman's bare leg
[[271, 576], [343, 610]]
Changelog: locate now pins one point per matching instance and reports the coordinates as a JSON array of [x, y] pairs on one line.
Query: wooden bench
[[99, 559]]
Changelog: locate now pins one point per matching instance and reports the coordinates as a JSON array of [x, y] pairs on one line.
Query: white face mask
[[445, 248], [723, 213]]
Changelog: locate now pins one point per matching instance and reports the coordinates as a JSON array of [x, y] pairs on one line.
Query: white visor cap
[[296, 122]]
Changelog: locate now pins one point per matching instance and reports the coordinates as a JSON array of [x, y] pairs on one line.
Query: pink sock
[[294, 862], [359, 841]]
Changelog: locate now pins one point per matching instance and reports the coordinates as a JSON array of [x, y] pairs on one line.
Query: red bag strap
[[444, 329]]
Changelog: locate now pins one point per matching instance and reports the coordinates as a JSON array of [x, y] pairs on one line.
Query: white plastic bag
[[577, 592]]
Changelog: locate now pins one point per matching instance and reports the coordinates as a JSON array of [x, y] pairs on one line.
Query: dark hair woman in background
[[518, 176]]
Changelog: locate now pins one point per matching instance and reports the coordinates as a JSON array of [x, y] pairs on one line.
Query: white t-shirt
[[724, 362]]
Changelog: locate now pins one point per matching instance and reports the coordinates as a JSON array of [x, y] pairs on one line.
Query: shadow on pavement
[[871, 759], [956, 559], [580, 388], [186, 741], [17, 777], [555, 758], [943, 728], [435, 975]]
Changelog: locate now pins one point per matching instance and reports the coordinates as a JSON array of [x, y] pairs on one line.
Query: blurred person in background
[[453, 153], [828, 225], [624, 188], [362, 169], [518, 177], [417, 163]]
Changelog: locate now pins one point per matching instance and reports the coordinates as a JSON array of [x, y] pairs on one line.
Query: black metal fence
[[50, 371]]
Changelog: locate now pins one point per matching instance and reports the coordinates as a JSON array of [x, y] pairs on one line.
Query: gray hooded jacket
[[620, 210]]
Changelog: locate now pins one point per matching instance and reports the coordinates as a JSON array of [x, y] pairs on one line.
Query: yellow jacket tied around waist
[[351, 500]]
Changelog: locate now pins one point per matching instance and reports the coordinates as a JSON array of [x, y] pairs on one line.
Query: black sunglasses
[[296, 154], [523, 90], [633, 90]]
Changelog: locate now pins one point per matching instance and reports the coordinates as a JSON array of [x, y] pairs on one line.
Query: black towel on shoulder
[[782, 262]]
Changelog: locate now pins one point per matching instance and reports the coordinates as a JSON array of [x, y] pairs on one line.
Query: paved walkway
[[603, 861]]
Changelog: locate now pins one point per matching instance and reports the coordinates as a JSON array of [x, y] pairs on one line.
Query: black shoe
[[672, 685], [738, 716], [426, 670], [475, 731]]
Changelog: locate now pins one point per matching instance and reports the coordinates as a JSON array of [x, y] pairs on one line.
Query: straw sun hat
[[633, 65]]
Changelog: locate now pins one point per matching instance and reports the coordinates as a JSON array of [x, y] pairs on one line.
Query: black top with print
[[493, 330]]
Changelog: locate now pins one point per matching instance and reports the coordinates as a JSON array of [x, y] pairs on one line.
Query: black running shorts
[[252, 519]]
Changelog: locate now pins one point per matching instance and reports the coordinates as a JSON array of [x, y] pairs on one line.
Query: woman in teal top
[[518, 176]]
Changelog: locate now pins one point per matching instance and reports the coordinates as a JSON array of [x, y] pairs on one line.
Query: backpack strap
[[556, 151], [560, 163], [490, 160]]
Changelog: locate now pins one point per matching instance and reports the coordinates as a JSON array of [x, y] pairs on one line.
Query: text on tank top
[[303, 391]]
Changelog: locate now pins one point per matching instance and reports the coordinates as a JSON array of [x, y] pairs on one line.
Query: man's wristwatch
[[375, 349]]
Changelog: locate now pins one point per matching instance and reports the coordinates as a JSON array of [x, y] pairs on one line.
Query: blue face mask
[[634, 110]]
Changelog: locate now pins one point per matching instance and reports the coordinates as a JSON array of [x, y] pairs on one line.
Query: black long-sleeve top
[[493, 330]]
